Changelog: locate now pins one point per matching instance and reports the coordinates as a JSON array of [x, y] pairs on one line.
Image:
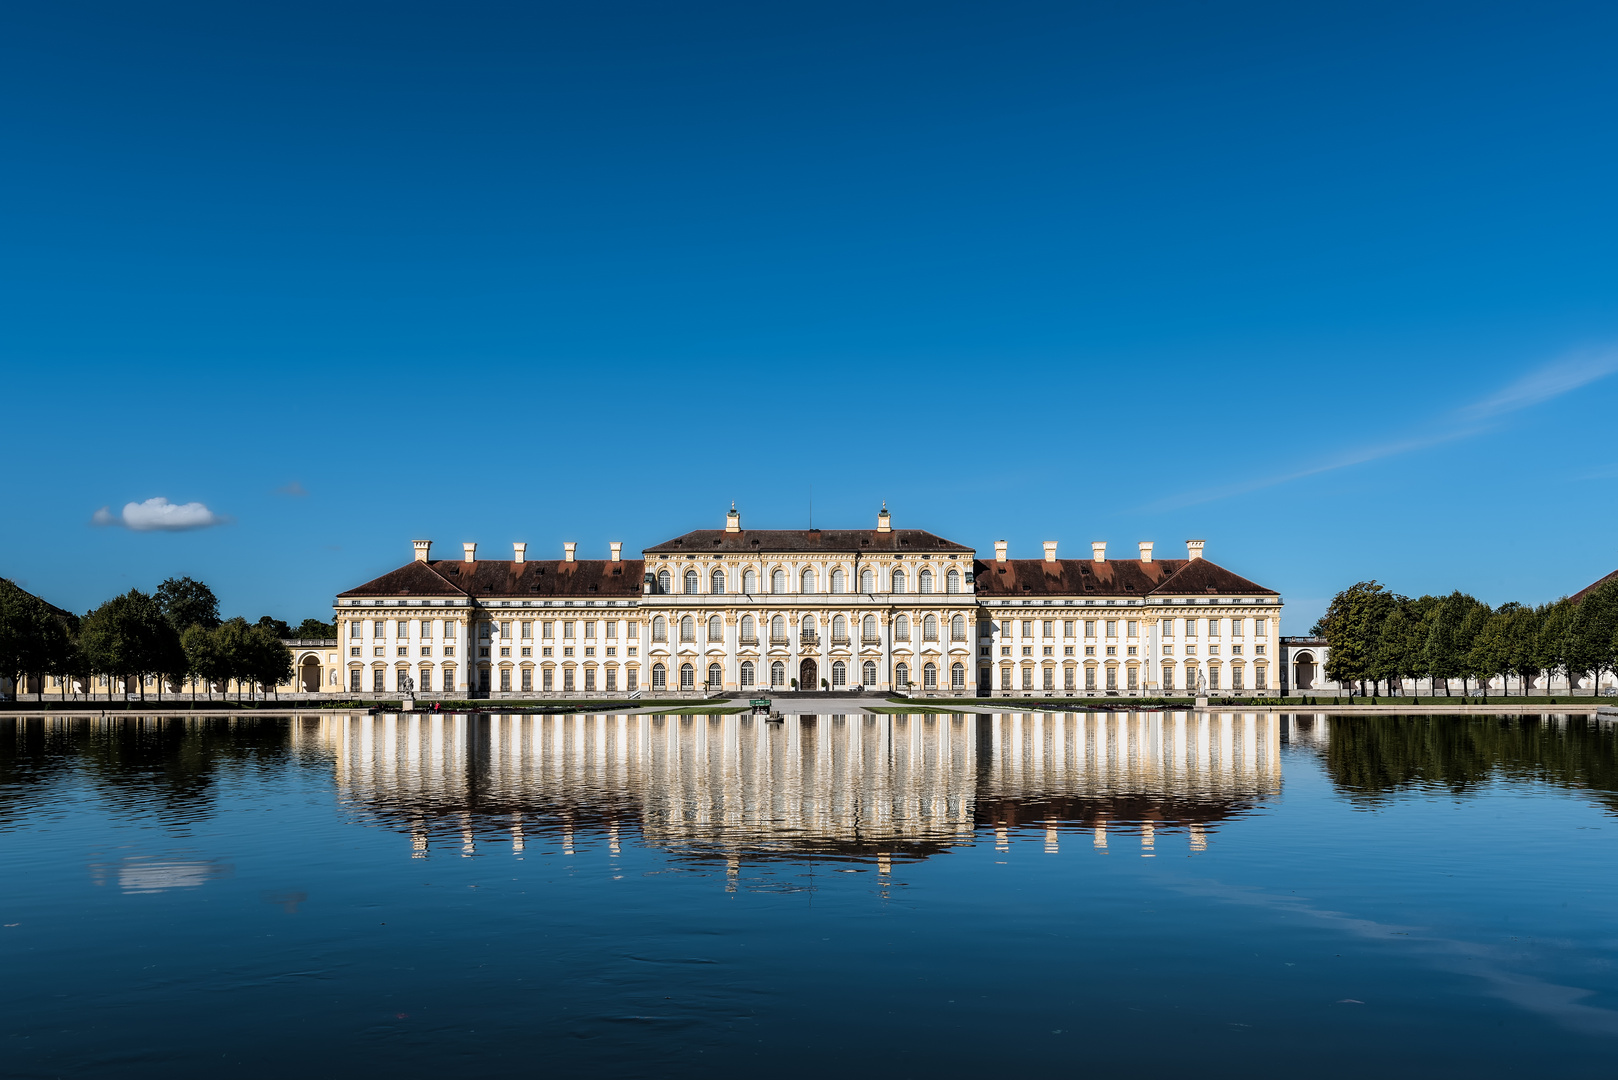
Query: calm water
[[906, 896]]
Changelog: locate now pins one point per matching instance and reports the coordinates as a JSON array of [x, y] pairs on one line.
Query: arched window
[[898, 581], [778, 630], [663, 582], [808, 581], [839, 674], [837, 580], [690, 582], [957, 677], [924, 581], [868, 629], [688, 628], [839, 630], [688, 677], [901, 674], [929, 628], [929, 676], [716, 677], [747, 673], [778, 674], [716, 628], [901, 628], [778, 581], [952, 583], [660, 677], [749, 631], [808, 628], [957, 628], [716, 582], [660, 629], [867, 580], [749, 581]]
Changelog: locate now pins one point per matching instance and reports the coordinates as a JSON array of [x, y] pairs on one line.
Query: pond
[[905, 895]]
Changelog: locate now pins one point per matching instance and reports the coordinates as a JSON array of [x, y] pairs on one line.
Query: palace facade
[[805, 610]]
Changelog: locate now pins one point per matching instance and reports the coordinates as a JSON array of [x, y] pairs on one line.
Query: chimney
[[518, 551], [568, 550], [1050, 551], [999, 551], [1098, 550], [1194, 548], [883, 524], [733, 521], [424, 550], [471, 552], [1145, 551], [617, 550]]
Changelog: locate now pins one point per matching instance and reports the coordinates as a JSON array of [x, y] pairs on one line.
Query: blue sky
[[1329, 285]]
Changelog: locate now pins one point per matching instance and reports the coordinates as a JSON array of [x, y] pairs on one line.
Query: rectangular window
[[1005, 678], [1261, 627], [1236, 627], [356, 629], [378, 681], [353, 679], [1112, 628], [1235, 678], [612, 633], [631, 679], [1112, 678], [546, 630], [1089, 628], [1050, 678], [1089, 678], [1067, 678], [1050, 629], [1067, 630], [590, 678], [1261, 678], [1027, 628], [1168, 628], [1133, 676], [567, 630], [1213, 628], [590, 630], [547, 678], [1132, 628], [505, 680], [1191, 628], [527, 679], [567, 679], [1027, 678], [632, 631], [612, 676], [528, 631]]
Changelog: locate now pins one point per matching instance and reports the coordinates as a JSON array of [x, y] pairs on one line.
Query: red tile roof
[[828, 541], [1593, 586], [502, 577], [1114, 578]]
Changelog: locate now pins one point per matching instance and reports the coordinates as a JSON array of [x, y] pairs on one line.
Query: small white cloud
[[160, 515], [293, 488]]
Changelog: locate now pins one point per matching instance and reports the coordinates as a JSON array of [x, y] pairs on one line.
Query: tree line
[[1379, 637], [173, 635]]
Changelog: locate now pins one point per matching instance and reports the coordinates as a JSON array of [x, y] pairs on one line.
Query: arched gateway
[[807, 673]]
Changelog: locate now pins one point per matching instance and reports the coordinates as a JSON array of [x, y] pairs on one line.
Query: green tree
[[232, 653], [1591, 624], [1352, 628], [1523, 643], [1474, 618], [186, 603], [1445, 650], [1550, 643], [268, 662], [274, 626], [1491, 649], [314, 630], [202, 657], [33, 637], [129, 638]]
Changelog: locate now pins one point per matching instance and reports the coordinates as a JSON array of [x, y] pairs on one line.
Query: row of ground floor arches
[[807, 674]]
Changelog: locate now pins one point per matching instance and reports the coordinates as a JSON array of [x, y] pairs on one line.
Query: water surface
[[910, 896]]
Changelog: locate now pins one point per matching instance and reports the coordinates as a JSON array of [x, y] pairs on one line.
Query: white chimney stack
[[1194, 548], [568, 550], [424, 550], [518, 551], [617, 550], [733, 521], [1050, 551], [470, 552], [1098, 550], [1145, 551], [883, 523], [999, 551]]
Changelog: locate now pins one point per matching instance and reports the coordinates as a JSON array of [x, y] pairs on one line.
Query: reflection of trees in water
[[139, 765], [1375, 758]]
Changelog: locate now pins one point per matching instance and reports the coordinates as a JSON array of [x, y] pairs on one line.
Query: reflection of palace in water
[[732, 788]]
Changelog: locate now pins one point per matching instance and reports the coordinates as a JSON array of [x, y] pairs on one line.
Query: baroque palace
[[803, 610]]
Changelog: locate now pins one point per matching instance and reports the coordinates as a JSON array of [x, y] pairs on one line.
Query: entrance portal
[[1305, 679], [311, 675], [806, 676]]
